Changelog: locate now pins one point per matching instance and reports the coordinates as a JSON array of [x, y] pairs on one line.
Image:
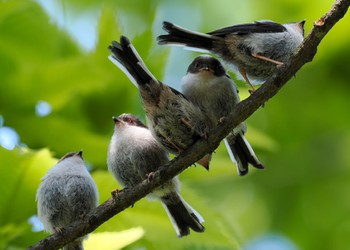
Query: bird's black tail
[[125, 56], [184, 37], [242, 153], [182, 215]]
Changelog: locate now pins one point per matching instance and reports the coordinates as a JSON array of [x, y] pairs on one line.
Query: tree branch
[[246, 108]]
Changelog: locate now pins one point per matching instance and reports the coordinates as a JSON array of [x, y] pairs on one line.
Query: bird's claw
[[150, 176]]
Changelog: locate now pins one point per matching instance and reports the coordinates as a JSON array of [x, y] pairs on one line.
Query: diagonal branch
[[247, 107]]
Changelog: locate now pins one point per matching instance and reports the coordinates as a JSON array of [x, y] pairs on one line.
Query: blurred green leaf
[[113, 240], [20, 182], [20, 171]]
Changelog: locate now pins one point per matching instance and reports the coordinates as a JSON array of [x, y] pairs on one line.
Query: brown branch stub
[[319, 22], [247, 107]]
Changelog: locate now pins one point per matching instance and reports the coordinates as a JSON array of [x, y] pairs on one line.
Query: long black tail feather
[[184, 37], [125, 56], [182, 215], [243, 153]]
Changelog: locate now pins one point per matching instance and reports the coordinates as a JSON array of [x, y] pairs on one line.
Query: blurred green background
[[58, 92]]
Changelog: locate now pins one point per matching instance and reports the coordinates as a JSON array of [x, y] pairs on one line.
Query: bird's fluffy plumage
[[67, 192], [133, 153]]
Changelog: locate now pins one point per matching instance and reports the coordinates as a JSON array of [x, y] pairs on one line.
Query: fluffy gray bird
[[133, 154], [254, 49], [209, 87], [67, 192], [173, 120]]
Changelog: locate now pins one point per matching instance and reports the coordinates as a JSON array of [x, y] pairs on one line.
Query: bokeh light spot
[[8, 138], [43, 108], [37, 226], [271, 242]]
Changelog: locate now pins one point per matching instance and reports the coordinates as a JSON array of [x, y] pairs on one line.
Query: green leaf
[[20, 171], [113, 240]]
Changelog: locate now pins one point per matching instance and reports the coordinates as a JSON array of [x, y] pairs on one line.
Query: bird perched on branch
[[133, 154], [209, 87], [173, 120], [67, 193], [255, 50]]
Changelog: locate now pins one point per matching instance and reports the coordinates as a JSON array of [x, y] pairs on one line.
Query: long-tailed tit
[[133, 154], [67, 193], [256, 49], [209, 87], [173, 120]]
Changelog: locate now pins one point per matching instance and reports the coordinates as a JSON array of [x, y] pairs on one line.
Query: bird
[[172, 119], [208, 86], [133, 155], [67, 193], [255, 50]]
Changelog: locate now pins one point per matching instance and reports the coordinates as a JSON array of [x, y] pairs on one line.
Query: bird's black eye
[[133, 121], [219, 69], [129, 120], [195, 66]]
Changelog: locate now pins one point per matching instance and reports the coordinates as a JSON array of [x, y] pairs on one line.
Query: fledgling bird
[[173, 120], [67, 193], [256, 49], [133, 154], [209, 87]]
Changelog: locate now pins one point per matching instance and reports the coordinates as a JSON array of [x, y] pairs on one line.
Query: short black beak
[[301, 25], [80, 153], [115, 119]]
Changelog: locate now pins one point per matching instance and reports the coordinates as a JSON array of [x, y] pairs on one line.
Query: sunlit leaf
[[113, 240]]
